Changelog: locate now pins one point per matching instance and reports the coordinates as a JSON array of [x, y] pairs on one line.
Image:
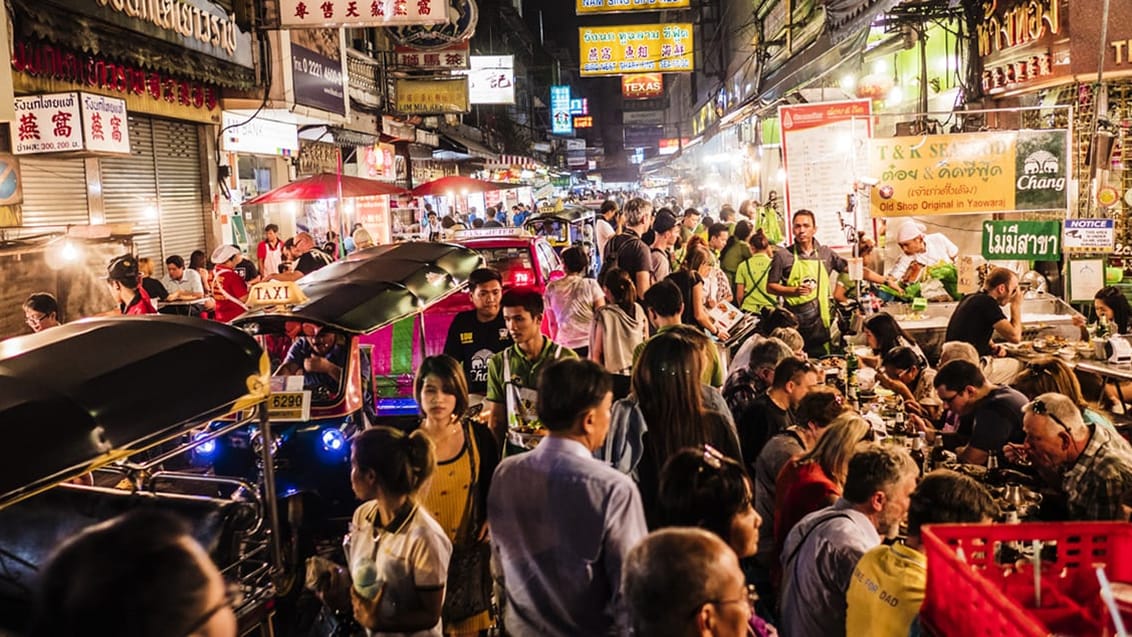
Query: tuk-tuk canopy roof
[[377, 286], [81, 395], [568, 214]]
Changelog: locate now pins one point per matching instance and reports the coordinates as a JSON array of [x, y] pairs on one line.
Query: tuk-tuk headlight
[[333, 440], [204, 449]]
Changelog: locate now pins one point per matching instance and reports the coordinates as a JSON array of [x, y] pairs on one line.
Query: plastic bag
[[934, 290]]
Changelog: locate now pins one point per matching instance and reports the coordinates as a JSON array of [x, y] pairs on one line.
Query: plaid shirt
[[741, 388], [1099, 485]]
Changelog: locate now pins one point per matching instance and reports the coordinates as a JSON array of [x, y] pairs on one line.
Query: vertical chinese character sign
[[105, 124]]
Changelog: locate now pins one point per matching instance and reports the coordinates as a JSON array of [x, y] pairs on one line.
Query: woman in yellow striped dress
[[466, 456]]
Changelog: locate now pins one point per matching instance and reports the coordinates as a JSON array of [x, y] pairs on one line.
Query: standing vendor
[[921, 251], [802, 275]]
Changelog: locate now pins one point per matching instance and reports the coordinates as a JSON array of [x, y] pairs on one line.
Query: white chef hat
[[910, 230]]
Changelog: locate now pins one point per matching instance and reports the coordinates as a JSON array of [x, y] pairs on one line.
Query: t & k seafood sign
[[970, 173]]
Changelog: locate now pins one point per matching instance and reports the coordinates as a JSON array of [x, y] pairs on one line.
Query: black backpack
[[613, 249]]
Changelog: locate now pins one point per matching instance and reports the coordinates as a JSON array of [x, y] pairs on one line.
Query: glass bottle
[[919, 444], [938, 454]]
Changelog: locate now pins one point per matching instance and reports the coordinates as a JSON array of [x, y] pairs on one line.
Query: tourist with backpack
[[627, 251]]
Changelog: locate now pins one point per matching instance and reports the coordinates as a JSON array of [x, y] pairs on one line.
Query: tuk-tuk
[[344, 313], [565, 226], [115, 402]]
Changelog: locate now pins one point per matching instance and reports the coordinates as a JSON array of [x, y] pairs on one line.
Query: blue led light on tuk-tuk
[[333, 440], [205, 448]]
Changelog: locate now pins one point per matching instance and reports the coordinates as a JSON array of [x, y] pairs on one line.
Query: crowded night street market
[[566, 318]]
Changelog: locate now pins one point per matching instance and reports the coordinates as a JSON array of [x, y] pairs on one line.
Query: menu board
[[824, 150]]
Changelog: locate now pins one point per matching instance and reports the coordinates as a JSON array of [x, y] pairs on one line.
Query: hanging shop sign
[[636, 49], [642, 86], [461, 17], [41, 67], [823, 151], [428, 138], [61, 122], [197, 25], [258, 136], [575, 144], [1022, 240], [1023, 44], [432, 96], [1089, 235], [642, 117], [670, 145], [561, 122], [491, 79], [705, 116], [444, 59], [360, 13], [316, 70], [580, 106], [969, 173], [584, 7]]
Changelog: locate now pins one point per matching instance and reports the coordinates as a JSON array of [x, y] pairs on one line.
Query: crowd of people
[[621, 477]]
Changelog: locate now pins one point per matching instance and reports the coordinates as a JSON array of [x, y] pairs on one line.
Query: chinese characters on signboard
[[641, 48], [583, 7], [361, 13], [491, 79], [421, 97], [643, 86], [60, 122], [448, 58], [561, 122]]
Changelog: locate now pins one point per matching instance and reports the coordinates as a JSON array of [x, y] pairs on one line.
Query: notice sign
[[636, 49], [361, 13], [1089, 235], [583, 7], [421, 97], [1022, 240], [823, 151], [1001, 171]]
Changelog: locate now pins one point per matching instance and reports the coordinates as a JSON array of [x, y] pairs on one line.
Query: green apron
[[811, 269], [757, 298]]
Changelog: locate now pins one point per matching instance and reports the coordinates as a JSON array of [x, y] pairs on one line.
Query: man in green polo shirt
[[664, 305], [512, 375]]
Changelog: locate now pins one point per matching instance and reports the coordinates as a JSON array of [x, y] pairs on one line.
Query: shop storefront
[[158, 188]]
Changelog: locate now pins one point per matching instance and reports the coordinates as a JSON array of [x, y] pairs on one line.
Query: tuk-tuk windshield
[[514, 263], [313, 352]]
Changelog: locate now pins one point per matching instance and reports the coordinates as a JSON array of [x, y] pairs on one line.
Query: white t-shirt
[[411, 555], [603, 230], [938, 248], [572, 300]]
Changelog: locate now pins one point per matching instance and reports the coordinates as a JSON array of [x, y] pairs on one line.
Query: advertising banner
[[823, 152], [643, 136], [491, 79], [583, 7], [561, 122], [361, 13], [1022, 240], [1089, 235], [643, 86], [636, 49], [448, 58], [419, 97], [316, 70], [1000, 171]]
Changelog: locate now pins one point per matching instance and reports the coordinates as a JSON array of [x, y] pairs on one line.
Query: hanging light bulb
[[70, 252]]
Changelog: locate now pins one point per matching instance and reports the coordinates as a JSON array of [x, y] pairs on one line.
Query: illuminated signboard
[[561, 122], [642, 48], [491, 79], [583, 7], [643, 86], [583, 121], [580, 106]]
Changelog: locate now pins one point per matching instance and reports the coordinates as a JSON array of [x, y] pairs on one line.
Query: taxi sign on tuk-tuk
[[276, 293], [289, 405], [480, 233]]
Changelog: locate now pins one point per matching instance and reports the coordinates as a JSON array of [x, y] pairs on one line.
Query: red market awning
[[457, 185], [325, 186]]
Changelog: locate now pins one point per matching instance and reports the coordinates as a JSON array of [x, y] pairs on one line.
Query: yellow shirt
[[886, 592]]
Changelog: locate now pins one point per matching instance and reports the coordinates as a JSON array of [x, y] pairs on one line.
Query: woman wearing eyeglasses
[[907, 373], [1048, 374], [700, 487]]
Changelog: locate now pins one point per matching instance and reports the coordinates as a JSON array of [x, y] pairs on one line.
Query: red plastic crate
[[969, 594]]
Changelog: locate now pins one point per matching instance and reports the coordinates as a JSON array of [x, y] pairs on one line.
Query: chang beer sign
[[1041, 169], [1022, 240]]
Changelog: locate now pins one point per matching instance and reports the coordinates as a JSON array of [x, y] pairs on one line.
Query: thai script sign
[[583, 7], [360, 13], [448, 58], [60, 122], [1023, 43], [969, 173], [1089, 235], [561, 122], [1025, 240], [420, 97], [636, 49], [642, 86]]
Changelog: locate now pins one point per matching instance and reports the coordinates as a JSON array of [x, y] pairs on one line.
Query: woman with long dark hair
[[883, 333], [690, 279], [466, 457], [1109, 302], [619, 326]]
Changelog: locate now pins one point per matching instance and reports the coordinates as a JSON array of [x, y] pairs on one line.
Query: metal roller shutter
[[184, 209], [54, 191], [129, 191]]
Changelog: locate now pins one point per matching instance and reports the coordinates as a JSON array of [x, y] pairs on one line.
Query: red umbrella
[[457, 185], [325, 186]]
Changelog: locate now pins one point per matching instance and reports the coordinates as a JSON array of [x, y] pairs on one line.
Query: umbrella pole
[[338, 205]]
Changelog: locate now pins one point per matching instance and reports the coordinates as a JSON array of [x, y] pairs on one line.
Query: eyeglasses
[[751, 599], [1039, 407], [35, 320], [233, 598]]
